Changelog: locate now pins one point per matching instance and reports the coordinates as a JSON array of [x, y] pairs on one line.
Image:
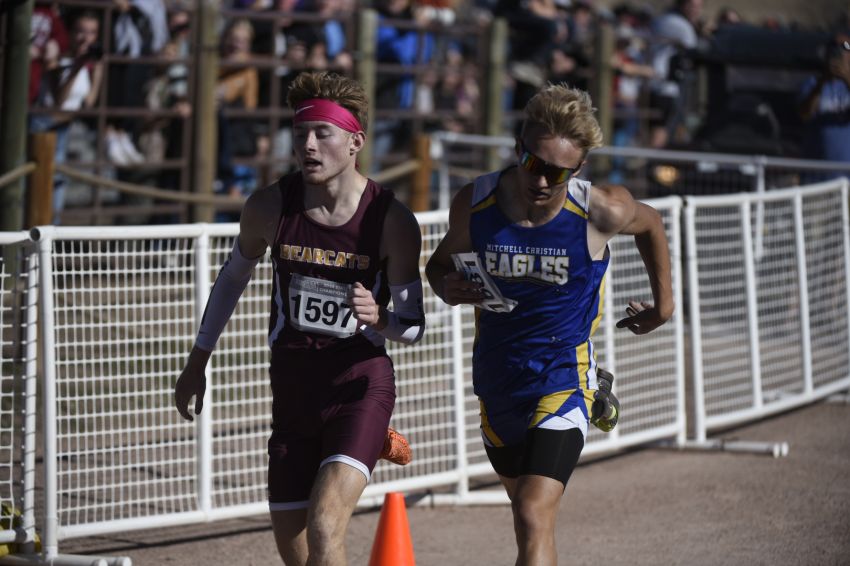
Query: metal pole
[[610, 338], [204, 420], [30, 396], [752, 301], [760, 163], [367, 40], [13, 111], [696, 327], [44, 238], [438, 150], [679, 319], [205, 113], [803, 284], [845, 221], [460, 402]]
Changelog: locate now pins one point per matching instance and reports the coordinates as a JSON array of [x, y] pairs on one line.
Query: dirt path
[[650, 506]]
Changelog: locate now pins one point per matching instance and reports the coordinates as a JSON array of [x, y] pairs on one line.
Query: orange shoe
[[396, 449]]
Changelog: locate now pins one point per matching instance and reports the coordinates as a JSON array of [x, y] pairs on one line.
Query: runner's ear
[[358, 140]]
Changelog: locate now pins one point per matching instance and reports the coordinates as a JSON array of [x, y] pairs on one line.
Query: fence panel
[[121, 323], [18, 296], [772, 311], [648, 369]]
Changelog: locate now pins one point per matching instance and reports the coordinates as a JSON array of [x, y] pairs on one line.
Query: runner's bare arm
[[447, 283], [613, 211], [258, 221]]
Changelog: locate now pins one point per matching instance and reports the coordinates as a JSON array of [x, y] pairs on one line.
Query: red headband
[[322, 110]]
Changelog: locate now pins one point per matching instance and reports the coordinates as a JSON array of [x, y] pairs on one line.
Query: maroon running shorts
[[326, 408]]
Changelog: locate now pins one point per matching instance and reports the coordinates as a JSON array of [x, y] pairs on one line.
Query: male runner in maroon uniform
[[341, 247]]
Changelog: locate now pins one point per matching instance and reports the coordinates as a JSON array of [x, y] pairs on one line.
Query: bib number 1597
[[319, 305]]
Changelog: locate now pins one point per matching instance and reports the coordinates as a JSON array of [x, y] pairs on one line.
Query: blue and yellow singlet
[[543, 346]]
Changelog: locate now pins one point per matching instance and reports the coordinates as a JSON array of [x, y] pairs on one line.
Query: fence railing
[[648, 173], [768, 331], [119, 308]]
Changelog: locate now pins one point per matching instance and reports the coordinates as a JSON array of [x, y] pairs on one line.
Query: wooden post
[[205, 118], [420, 192], [367, 40], [13, 109], [495, 87], [39, 209], [603, 92]]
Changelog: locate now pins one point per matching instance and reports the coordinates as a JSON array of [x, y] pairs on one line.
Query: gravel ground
[[649, 506]]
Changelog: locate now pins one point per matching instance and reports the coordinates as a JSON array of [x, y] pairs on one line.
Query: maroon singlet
[[344, 254]]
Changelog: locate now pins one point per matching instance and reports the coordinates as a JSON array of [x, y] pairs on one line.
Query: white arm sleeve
[[406, 322], [229, 285]]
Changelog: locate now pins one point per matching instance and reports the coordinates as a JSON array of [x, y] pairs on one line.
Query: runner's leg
[[335, 494], [290, 535]]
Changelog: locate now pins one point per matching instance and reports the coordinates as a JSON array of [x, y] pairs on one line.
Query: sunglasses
[[554, 174]]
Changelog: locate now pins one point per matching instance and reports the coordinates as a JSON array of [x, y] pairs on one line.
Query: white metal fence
[[18, 294], [769, 320], [119, 310]]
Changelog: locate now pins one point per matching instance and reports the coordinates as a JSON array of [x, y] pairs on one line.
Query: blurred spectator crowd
[[133, 60]]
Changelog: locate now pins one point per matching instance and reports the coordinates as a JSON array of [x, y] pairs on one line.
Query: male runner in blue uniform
[[542, 235], [341, 247]]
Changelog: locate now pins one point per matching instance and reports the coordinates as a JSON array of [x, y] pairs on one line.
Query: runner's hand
[[363, 305], [643, 317], [192, 381], [459, 290]]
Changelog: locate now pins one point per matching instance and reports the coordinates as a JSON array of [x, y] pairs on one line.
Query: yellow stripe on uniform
[[574, 208], [489, 201], [583, 364], [599, 307], [549, 405], [583, 368], [486, 428]]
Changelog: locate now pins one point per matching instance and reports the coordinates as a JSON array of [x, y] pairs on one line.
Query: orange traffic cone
[[392, 546]]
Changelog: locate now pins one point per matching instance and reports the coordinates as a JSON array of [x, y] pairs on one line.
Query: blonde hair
[[565, 112], [330, 86]]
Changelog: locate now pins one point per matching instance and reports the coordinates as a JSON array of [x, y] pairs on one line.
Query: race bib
[[319, 305]]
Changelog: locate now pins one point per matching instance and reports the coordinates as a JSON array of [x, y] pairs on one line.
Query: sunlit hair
[[344, 91], [565, 112]]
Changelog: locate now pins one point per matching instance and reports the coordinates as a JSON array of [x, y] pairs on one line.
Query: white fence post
[[845, 217], [610, 347], [678, 318], [204, 424], [31, 400], [803, 283], [696, 327], [752, 301], [443, 178], [460, 403], [760, 163], [44, 238]]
